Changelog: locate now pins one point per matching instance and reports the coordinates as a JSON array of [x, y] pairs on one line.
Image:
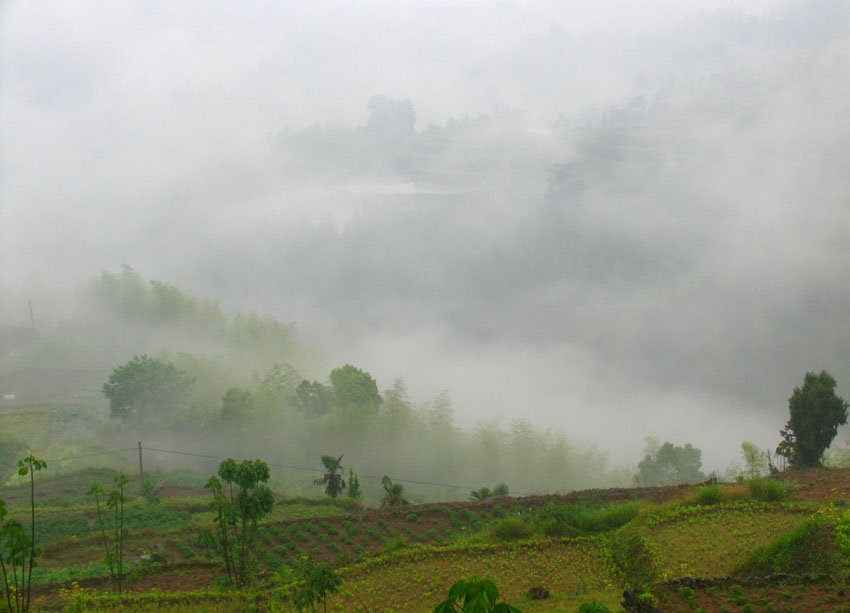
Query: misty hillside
[[608, 221]]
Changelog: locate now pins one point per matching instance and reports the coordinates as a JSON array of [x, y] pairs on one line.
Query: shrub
[[511, 529], [769, 490], [709, 495], [634, 558], [558, 519], [593, 607]]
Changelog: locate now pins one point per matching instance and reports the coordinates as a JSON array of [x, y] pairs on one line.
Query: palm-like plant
[[332, 479], [482, 494], [393, 495]]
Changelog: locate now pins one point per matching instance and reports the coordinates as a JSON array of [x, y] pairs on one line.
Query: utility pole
[[32, 319], [141, 471]]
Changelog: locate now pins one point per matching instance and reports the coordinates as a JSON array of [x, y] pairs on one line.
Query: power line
[[90, 455], [318, 470]]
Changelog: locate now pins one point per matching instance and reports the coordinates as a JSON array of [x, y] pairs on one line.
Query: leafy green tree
[[145, 387], [475, 595], [320, 581], [277, 388], [332, 479], [236, 404], [238, 513], [393, 493], [313, 398], [671, 465], [816, 411], [755, 460], [355, 389]]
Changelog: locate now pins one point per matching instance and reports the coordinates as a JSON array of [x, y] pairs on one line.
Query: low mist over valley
[[544, 233]]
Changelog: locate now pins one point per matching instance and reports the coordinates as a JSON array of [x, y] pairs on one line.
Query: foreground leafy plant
[[476, 595], [17, 550], [238, 514], [115, 502], [320, 581]]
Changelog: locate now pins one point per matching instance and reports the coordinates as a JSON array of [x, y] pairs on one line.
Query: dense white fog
[[610, 219]]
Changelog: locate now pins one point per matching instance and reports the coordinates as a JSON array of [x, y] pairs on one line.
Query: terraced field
[[404, 558]]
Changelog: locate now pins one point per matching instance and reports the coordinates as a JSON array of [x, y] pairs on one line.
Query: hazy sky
[[685, 294]]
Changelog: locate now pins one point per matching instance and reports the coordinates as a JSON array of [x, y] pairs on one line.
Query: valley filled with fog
[[574, 228]]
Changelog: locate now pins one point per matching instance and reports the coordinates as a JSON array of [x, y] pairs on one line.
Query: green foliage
[[239, 513], [593, 607], [145, 387], [355, 389], [236, 404], [501, 490], [480, 494], [475, 595], [810, 549], [633, 558], [558, 519], [332, 479], [10, 450], [769, 490], [485, 492], [511, 529], [17, 549], [354, 490], [816, 411], [277, 388], [313, 399], [670, 465], [393, 493], [320, 581], [755, 460], [709, 495], [128, 296], [115, 555]]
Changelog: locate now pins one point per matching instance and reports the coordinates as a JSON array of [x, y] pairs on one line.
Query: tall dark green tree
[[313, 399], [145, 387], [355, 389], [816, 412]]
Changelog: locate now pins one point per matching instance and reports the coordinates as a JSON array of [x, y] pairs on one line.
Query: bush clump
[[769, 490], [511, 529], [559, 519], [709, 495], [593, 607], [634, 558]]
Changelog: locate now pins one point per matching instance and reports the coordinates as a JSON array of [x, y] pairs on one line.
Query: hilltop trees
[[355, 389], [816, 412], [145, 387], [670, 465]]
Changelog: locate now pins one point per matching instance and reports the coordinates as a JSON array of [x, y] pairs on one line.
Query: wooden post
[[141, 471]]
